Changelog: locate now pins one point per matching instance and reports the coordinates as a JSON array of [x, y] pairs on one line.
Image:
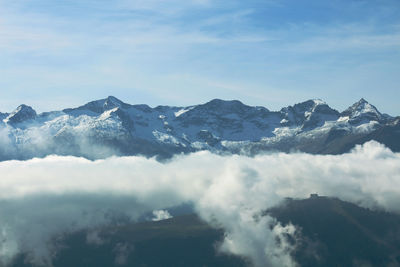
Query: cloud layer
[[41, 199]]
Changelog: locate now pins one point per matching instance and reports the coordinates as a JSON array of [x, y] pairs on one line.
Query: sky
[[273, 53]]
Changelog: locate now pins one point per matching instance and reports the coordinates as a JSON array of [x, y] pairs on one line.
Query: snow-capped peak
[[217, 125], [362, 110], [94, 108], [108, 103], [362, 106], [112, 102], [308, 114], [222, 107], [20, 114], [318, 102]]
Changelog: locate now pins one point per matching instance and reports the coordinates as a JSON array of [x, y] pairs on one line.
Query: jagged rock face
[[309, 114], [362, 111], [22, 114], [207, 137], [319, 115], [229, 120], [109, 127]]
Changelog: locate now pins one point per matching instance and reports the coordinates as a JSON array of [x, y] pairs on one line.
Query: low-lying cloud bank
[[43, 198]]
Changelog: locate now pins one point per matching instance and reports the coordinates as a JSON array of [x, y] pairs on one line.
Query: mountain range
[[109, 126]]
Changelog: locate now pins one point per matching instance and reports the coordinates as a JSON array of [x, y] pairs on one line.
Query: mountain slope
[[331, 232], [338, 233], [109, 126], [180, 241]]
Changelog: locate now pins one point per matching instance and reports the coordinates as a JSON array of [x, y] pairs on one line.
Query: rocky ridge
[[109, 127]]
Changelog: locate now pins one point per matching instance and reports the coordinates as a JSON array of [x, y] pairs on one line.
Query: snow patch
[[319, 102], [366, 127], [343, 119], [200, 145], [107, 114], [285, 132], [165, 138], [184, 110]]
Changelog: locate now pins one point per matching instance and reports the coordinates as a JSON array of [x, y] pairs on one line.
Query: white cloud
[[160, 215], [41, 198]]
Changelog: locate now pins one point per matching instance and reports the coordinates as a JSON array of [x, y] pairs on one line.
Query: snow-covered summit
[[97, 107], [21, 114], [218, 109], [308, 114], [361, 112]]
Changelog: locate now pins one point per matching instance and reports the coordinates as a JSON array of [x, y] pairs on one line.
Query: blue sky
[[58, 54]]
